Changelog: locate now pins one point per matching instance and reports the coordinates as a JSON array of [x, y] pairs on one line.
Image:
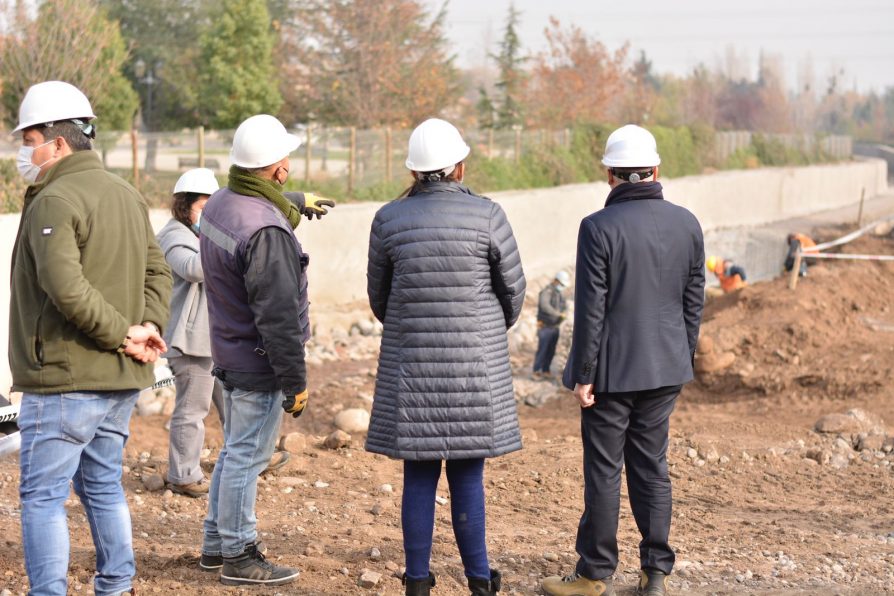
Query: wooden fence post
[[201, 134], [795, 272], [307, 154], [860, 212], [352, 155], [388, 154], [135, 158]]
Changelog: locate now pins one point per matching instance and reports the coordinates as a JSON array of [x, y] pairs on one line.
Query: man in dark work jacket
[[256, 284], [639, 292]]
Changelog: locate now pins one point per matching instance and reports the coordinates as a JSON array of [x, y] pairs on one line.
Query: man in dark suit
[[639, 292]]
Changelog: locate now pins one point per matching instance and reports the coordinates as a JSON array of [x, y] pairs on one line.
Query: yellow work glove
[[294, 404], [314, 205]]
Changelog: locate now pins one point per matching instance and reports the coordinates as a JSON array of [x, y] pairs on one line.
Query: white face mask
[[27, 169]]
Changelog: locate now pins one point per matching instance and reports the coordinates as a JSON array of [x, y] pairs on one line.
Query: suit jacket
[[639, 293]]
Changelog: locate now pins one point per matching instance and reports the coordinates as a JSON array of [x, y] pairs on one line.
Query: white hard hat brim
[[28, 124], [627, 163], [435, 166]]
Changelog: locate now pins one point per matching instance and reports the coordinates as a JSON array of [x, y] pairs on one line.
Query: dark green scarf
[[245, 183]]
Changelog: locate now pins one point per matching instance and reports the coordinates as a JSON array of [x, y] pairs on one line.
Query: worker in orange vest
[[796, 242], [730, 275]]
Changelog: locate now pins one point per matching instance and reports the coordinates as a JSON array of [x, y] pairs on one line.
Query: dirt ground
[[763, 503]]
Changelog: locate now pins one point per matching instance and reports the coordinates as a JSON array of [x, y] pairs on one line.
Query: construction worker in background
[[90, 292], [256, 283], [731, 276], [638, 298], [551, 309], [798, 242]]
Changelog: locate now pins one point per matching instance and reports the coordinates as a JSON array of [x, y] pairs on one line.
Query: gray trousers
[[196, 389]]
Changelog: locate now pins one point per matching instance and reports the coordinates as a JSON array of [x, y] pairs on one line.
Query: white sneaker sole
[[242, 581]]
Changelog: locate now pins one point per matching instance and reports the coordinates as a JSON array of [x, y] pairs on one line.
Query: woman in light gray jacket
[[187, 335], [445, 279]]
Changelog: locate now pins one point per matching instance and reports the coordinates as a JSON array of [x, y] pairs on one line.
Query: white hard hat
[[631, 146], [563, 278], [199, 180], [434, 145], [260, 141], [53, 101]]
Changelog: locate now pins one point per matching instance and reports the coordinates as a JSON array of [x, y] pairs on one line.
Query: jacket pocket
[[192, 303]]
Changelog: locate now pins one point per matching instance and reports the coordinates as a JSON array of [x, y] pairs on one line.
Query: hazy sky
[[856, 36]]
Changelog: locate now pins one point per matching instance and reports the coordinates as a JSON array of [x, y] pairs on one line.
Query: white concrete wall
[[546, 222]]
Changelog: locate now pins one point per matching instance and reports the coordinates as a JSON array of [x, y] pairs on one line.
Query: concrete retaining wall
[[546, 222]]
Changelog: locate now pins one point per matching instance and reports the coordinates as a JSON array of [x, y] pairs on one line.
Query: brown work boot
[[277, 460], [578, 585], [652, 583], [193, 489]]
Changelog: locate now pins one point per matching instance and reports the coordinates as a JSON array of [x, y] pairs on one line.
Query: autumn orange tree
[[369, 62], [576, 78]]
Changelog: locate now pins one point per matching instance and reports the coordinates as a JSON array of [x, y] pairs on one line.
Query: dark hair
[[625, 173], [420, 179], [182, 206], [74, 135]]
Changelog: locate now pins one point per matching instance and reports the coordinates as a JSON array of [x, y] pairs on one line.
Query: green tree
[[163, 39], [512, 78], [72, 41], [486, 110], [237, 78]]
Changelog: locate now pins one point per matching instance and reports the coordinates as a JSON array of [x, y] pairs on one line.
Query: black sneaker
[[215, 562], [251, 568]]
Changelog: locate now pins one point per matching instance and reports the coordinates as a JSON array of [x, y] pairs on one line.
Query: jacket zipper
[[38, 342]]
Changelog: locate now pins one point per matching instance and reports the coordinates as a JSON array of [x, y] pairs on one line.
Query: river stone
[[352, 420]]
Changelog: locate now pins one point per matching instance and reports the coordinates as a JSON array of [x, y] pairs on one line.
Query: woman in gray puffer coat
[[445, 279]]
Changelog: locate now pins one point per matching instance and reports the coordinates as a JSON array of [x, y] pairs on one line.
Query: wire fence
[[349, 157]]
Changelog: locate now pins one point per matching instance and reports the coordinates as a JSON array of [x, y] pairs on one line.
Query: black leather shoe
[[652, 583]]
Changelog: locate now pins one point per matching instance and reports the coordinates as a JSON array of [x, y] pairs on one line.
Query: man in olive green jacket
[[90, 291]]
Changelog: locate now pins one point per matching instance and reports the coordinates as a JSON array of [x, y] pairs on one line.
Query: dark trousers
[[629, 429], [465, 477], [547, 338]]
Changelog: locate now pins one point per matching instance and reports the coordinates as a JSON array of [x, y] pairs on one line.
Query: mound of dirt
[[832, 336]]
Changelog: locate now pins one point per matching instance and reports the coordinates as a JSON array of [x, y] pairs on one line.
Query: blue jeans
[[252, 420], [75, 438], [547, 338]]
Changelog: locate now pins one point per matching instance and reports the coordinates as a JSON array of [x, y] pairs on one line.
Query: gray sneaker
[[251, 568], [215, 562]]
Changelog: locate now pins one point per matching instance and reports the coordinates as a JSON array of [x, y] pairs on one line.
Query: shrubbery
[[685, 151]]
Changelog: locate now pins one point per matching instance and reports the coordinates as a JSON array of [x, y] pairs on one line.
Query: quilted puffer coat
[[445, 279]]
